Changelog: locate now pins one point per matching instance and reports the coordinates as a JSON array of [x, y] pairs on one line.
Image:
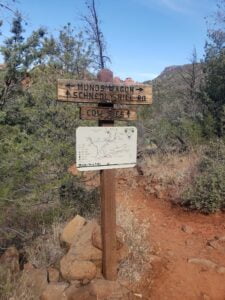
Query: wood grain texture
[[108, 202], [103, 92], [107, 113]]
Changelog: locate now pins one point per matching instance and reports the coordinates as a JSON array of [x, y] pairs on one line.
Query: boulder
[[82, 293], [53, 275], [55, 291], [10, 258], [77, 270], [97, 237], [71, 230], [105, 289], [82, 247]]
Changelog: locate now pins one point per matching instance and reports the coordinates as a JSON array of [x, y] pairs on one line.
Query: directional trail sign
[[100, 148], [106, 148], [107, 113], [103, 92]]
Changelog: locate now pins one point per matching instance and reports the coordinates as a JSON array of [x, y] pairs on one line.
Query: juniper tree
[[73, 54], [19, 55], [214, 92]]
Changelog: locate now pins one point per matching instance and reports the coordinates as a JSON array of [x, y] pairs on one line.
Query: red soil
[[174, 278], [177, 279]]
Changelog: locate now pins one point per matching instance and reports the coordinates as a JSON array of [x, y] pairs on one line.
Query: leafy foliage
[[70, 52], [207, 194], [37, 134], [214, 90]]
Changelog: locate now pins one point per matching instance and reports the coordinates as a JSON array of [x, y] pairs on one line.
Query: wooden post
[[108, 204]]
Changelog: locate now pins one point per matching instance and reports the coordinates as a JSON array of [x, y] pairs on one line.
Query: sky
[[143, 36]]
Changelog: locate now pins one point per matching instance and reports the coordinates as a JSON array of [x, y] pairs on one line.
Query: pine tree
[[20, 55]]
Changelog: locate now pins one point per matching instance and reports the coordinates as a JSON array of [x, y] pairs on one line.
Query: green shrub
[[73, 194], [207, 192]]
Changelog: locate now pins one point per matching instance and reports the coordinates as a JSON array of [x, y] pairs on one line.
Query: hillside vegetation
[[37, 134]]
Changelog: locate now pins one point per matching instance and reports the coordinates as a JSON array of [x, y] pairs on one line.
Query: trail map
[[99, 148]]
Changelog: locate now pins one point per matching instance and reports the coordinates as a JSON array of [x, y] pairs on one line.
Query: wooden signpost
[[106, 94], [103, 92], [102, 113]]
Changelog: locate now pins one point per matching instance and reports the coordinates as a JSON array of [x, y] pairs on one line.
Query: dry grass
[[13, 286], [133, 268], [170, 168], [42, 252], [45, 250]]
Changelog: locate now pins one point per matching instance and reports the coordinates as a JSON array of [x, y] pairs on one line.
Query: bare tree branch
[[95, 34]]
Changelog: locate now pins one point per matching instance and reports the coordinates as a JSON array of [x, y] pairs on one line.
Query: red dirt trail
[[176, 278]]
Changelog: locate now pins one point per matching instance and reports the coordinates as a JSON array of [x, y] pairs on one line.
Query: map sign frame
[[101, 148]]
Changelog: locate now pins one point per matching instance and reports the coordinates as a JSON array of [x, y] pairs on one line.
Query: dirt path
[[178, 236]]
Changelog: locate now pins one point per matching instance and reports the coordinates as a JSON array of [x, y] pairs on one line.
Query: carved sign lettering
[[100, 92], [98, 113]]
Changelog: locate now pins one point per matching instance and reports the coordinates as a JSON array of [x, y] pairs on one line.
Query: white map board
[[99, 148]]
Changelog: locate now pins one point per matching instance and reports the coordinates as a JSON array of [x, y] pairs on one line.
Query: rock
[[187, 229], [35, 279], [71, 230], [82, 247], [216, 245], [122, 253], [205, 297], [105, 289], [75, 283], [28, 266], [72, 289], [222, 238], [10, 258], [97, 237], [53, 275], [155, 260], [203, 262], [77, 270], [85, 281], [82, 293], [221, 270], [55, 291]]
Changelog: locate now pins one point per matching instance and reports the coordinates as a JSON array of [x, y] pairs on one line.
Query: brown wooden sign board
[[103, 92], [105, 113]]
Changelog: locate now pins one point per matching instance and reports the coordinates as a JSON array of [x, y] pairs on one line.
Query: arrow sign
[[107, 113], [70, 85], [140, 89], [103, 92]]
